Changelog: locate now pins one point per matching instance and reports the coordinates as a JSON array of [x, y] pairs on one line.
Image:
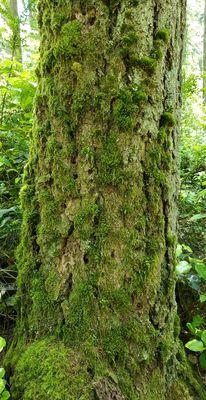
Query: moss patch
[[48, 370]]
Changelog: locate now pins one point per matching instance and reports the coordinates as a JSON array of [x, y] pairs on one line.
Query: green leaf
[[197, 321], [201, 270], [5, 395], [202, 298], [195, 345], [191, 327], [196, 217], [10, 301], [202, 360], [203, 336], [6, 211], [183, 267], [2, 372], [188, 248], [178, 250], [2, 385], [2, 343]]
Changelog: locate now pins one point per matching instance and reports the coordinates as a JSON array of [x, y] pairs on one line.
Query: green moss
[[171, 239], [148, 64], [129, 39], [69, 43], [127, 27], [48, 233], [53, 284], [114, 344], [85, 219], [128, 13], [82, 98], [80, 313], [163, 34], [126, 384], [167, 119], [139, 96], [177, 391], [48, 370], [76, 67], [48, 61], [157, 51], [162, 135], [134, 3], [124, 109], [111, 163], [118, 299], [177, 328], [38, 293]]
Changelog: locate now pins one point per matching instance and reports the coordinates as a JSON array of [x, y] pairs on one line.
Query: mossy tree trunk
[[96, 261]]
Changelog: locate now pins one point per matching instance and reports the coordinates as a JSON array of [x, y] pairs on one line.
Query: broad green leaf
[[191, 327], [4, 211], [201, 270], [188, 248], [202, 298], [2, 372], [10, 301], [197, 217], [178, 250], [2, 385], [5, 395], [197, 321], [203, 336], [202, 360], [183, 267], [195, 345], [2, 343]]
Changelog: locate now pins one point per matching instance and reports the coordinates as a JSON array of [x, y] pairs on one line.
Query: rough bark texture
[[96, 261], [16, 40], [204, 58]]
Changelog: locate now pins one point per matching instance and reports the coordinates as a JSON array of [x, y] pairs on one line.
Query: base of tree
[[48, 370]]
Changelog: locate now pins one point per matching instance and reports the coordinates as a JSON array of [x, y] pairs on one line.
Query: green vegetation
[[96, 252], [4, 394]]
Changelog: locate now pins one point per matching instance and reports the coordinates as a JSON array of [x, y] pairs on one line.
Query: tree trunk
[[16, 38], [204, 58], [96, 261]]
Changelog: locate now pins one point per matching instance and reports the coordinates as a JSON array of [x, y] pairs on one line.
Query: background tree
[[17, 88], [96, 260], [204, 57]]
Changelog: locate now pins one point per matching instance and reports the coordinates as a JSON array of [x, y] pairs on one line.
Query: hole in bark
[[179, 356], [74, 158], [69, 285], [75, 176], [113, 254], [91, 16], [71, 228], [90, 371], [86, 259], [70, 282], [96, 220], [95, 291], [89, 171]]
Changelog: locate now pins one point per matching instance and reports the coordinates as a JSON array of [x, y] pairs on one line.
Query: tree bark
[[204, 58], [97, 315], [16, 35]]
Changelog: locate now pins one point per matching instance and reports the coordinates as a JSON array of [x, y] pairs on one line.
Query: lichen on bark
[[97, 311]]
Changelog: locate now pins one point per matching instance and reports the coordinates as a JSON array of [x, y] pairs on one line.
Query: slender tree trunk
[[97, 313], [16, 40], [204, 58]]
